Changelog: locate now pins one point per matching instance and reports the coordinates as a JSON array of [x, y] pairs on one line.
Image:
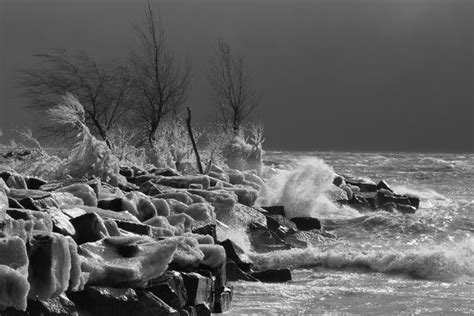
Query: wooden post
[[190, 132]]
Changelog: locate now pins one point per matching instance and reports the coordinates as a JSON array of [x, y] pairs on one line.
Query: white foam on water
[[451, 262], [302, 191]]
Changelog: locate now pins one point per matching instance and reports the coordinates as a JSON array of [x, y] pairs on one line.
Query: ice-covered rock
[[106, 267], [82, 191]]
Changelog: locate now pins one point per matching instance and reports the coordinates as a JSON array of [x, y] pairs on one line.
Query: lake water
[[381, 263]]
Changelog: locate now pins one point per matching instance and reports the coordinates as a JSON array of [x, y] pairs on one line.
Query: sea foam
[[448, 262], [303, 191]]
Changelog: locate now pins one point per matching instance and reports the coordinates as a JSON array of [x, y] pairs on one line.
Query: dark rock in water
[[280, 225], [364, 185], [273, 275], [306, 223], [265, 240], [209, 229], [222, 301], [348, 190], [338, 181], [363, 200], [233, 252], [170, 288], [59, 306], [414, 201], [126, 171], [234, 273], [14, 203], [390, 207], [304, 239], [277, 210], [136, 228], [383, 185], [202, 310], [384, 196], [89, 228], [198, 287], [120, 301], [34, 183]]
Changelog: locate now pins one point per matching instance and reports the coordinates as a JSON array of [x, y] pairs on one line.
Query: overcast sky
[[334, 74]]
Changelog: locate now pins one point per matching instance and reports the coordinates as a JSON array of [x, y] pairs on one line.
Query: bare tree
[[231, 81], [104, 90], [161, 84]]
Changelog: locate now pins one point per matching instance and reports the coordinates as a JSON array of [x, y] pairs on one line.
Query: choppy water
[[381, 263]]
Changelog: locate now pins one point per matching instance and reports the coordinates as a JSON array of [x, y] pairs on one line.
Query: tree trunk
[[196, 152]]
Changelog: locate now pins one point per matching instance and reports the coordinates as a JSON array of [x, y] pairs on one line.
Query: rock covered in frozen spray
[[223, 201], [14, 286], [50, 265], [107, 267], [82, 191]]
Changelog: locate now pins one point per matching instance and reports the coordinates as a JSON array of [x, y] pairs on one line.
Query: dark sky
[[335, 74]]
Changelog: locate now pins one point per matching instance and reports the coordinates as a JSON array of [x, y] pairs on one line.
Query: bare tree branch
[[162, 84], [230, 79]]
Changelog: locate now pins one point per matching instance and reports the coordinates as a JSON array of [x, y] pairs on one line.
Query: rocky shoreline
[[149, 244]]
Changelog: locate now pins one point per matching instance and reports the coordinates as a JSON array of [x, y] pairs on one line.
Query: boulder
[[245, 195], [338, 181], [306, 223], [223, 201], [136, 228], [176, 207], [222, 300], [82, 191], [12, 203], [34, 183], [126, 171], [198, 287], [121, 302], [273, 275], [202, 212], [139, 260], [208, 229], [50, 265], [234, 253], [384, 185], [39, 220], [365, 185], [184, 181], [39, 204], [277, 209], [61, 223], [170, 288], [89, 228], [179, 196], [161, 206], [234, 273], [16, 181], [14, 288]]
